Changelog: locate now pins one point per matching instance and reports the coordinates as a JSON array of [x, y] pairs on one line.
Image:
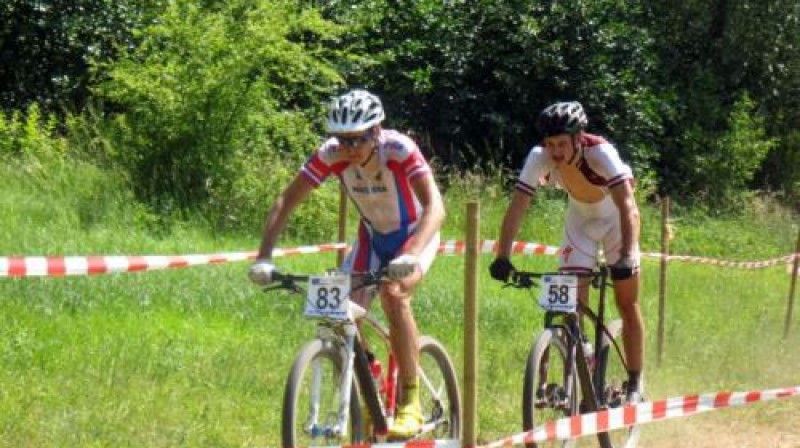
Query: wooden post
[[662, 284], [471, 326], [792, 286], [342, 237]]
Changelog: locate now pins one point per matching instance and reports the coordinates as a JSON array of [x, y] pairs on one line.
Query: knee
[[394, 298]]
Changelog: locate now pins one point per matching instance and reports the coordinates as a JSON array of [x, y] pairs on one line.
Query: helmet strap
[[371, 154], [374, 149], [576, 148]]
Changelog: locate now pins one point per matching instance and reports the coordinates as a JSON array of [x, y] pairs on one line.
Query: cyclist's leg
[[396, 299], [626, 293]]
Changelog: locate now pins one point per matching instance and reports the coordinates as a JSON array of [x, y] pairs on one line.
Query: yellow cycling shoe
[[408, 422], [366, 422]]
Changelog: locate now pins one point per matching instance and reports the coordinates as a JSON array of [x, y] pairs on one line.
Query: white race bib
[[328, 296], [559, 293]]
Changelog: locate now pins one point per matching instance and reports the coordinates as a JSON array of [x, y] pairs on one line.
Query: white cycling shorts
[[588, 228]]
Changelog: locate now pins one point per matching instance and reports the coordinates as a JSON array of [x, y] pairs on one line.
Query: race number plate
[[327, 297], [559, 293]]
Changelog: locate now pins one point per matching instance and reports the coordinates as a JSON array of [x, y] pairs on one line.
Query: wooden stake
[[792, 286], [662, 285], [471, 326], [342, 237]]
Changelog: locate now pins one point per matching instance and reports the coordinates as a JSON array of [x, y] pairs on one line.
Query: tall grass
[[198, 356]]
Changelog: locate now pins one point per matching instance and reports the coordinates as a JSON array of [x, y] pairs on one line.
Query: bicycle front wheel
[[612, 377], [549, 389], [439, 393], [312, 398]]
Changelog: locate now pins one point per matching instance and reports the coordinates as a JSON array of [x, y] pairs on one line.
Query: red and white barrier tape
[[441, 443], [54, 266], [61, 266], [490, 247], [728, 264], [647, 412]]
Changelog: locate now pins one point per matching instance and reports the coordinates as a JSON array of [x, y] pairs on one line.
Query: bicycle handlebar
[[527, 279], [292, 282]]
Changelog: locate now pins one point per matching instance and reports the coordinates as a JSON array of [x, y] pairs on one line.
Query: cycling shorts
[[373, 250], [588, 228]]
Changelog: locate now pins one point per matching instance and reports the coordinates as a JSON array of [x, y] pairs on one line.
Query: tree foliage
[[47, 46], [217, 99], [204, 103]]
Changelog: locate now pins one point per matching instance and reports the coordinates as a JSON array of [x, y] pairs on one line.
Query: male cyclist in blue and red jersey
[[401, 210], [602, 210]]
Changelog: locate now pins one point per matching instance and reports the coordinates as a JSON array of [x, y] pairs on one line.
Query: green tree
[[220, 103], [46, 46], [470, 76], [727, 49]]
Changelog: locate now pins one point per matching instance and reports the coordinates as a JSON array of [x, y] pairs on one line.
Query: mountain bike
[[342, 363], [564, 376]]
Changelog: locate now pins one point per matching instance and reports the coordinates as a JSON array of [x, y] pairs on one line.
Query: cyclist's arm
[[433, 213], [623, 197], [520, 201], [281, 210]]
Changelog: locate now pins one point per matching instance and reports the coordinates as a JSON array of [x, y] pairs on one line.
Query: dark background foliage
[[187, 95]]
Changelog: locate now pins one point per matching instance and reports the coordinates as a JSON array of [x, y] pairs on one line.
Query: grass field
[[198, 356]]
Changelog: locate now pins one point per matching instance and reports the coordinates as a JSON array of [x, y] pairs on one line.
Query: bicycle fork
[[316, 427]]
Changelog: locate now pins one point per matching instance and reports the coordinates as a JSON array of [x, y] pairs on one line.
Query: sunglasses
[[354, 141]]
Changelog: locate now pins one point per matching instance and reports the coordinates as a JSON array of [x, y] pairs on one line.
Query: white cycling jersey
[[586, 224]]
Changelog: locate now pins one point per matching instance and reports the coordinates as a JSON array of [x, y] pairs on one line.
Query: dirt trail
[[753, 429]]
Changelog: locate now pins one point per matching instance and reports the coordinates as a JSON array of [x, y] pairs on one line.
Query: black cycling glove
[[623, 269], [501, 268]]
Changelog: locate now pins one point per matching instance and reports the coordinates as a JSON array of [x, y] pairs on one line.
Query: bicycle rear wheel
[[312, 396], [548, 392], [439, 393], [611, 381]]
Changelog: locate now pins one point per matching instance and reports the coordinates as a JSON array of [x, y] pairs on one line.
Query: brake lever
[[524, 281], [521, 282], [286, 284]]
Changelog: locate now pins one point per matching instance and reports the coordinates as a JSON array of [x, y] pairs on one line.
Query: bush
[[219, 101], [31, 136]]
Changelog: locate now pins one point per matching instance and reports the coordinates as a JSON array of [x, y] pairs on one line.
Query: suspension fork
[[343, 338], [575, 347], [346, 385]]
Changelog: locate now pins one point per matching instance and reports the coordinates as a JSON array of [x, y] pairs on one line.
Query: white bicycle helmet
[[355, 111], [562, 118]]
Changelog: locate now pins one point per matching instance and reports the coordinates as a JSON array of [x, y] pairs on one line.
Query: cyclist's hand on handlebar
[[402, 266], [624, 268], [262, 272], [501, 269]]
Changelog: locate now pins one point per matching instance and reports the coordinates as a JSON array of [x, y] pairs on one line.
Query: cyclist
[[401, 212], [602, 210]]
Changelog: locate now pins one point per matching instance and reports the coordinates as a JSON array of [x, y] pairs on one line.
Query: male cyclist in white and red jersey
[[602, 210], [401, 209]]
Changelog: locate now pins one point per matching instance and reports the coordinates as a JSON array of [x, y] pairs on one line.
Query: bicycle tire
[[546, 401], [610, 383], [296, 399], [440, 396]]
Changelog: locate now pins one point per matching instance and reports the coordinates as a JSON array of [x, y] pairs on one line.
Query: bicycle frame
[[569, 326], [339, 351], [346, 335]]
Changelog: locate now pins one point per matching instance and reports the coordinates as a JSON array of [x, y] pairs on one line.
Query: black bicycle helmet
[[562, 118]]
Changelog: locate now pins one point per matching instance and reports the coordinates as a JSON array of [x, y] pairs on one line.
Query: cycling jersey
[[600, 165], [389, 209], [586, 224]]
